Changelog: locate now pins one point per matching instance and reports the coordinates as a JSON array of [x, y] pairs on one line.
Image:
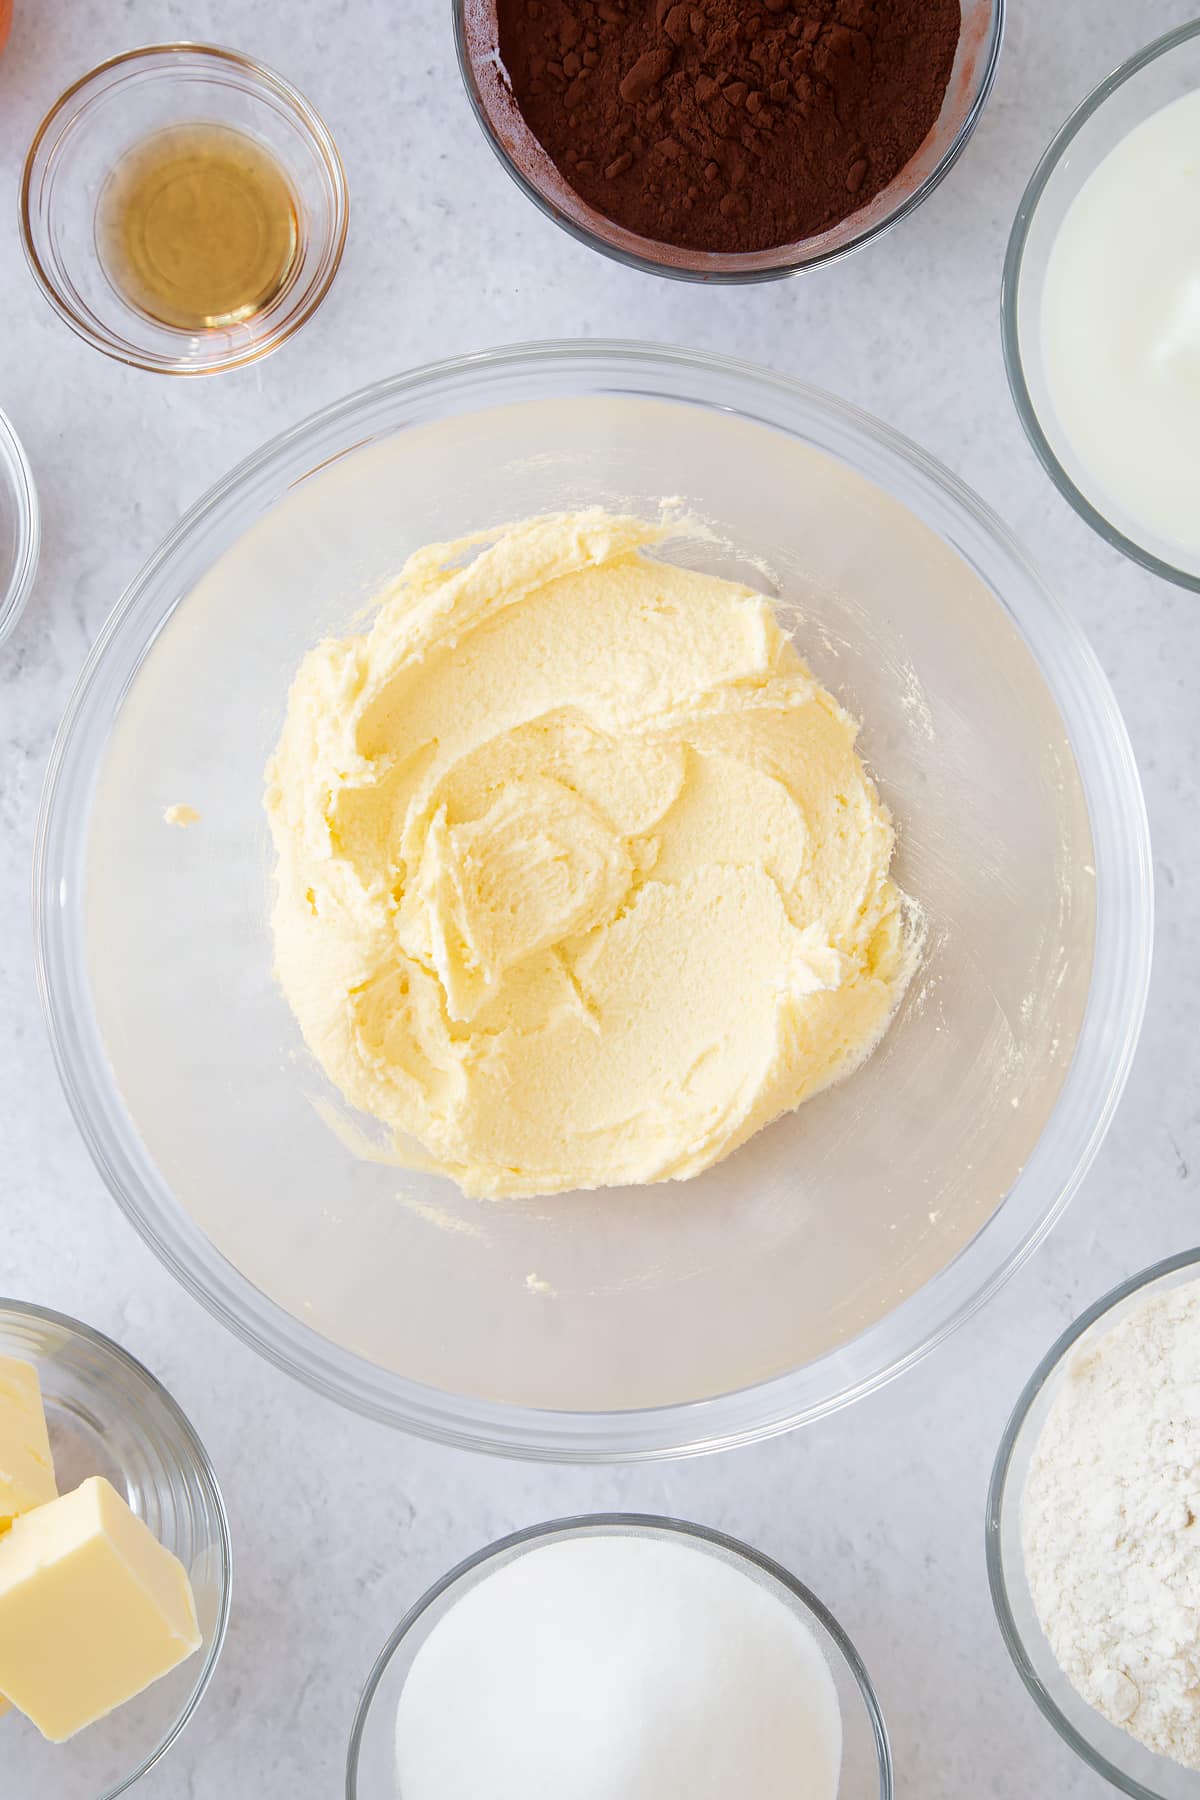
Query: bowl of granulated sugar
[[619, 1657], [1093, 1534], [727, 142]]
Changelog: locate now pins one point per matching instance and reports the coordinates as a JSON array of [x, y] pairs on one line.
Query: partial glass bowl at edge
[[845, 1240], [866, 1771], [20, 528], [1104, 1747], [1158, 74], [107, 1415], [117, 105], [540, 181]]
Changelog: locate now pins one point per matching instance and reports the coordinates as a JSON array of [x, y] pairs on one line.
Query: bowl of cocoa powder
[[728, 140]]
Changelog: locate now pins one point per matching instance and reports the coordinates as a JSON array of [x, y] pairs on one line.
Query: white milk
[[1121, 329]]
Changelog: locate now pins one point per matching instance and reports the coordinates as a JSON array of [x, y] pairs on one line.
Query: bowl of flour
[[1093, 1534]]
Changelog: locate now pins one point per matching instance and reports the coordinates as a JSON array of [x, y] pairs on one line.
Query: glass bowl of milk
[[1101, 308]]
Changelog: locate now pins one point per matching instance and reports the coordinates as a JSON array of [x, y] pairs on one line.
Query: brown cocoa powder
[[729, 125]]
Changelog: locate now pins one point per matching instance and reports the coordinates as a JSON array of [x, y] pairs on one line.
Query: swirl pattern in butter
[[580, 878]]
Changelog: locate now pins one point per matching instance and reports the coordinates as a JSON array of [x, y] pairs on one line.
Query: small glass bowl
[[538, 178], [1162, 72], [20, 528], [1111, 1752], [108, 1416], [118, 105], [866, 1757]]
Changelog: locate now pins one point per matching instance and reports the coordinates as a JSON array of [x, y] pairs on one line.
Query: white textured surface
[[339, 1524]]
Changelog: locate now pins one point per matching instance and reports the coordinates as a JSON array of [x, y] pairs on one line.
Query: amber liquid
[[198, 227]]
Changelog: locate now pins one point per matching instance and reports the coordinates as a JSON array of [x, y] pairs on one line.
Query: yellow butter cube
[[26, 1470], [92, 1610]]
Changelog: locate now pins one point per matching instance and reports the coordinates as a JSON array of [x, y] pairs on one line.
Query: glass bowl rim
[[1010, 282], [997, 1497], [638, 1524], [729, 274], [207, 1476], [680, 1428], [315, 130], [16, 472]]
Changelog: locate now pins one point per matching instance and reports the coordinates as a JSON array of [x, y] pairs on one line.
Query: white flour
[[1109, 1524], [618, 1668]]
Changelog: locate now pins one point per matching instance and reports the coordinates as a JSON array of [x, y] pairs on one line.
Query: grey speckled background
[[339, 1524]]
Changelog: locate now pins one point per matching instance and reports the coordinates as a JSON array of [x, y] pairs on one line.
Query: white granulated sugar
[[618, 1668], [1109, 1524]]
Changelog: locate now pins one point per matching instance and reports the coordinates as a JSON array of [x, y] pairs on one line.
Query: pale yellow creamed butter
[[580, 879]]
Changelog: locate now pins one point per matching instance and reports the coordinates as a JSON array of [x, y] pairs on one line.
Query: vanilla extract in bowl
[[198, 227]]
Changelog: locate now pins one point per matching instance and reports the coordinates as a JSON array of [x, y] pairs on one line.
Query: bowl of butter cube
[[115, 1565]]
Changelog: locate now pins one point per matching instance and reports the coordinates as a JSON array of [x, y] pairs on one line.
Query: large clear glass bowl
[[840, 1243], [866, 1768], [1111, 1752], [1162, 72]]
